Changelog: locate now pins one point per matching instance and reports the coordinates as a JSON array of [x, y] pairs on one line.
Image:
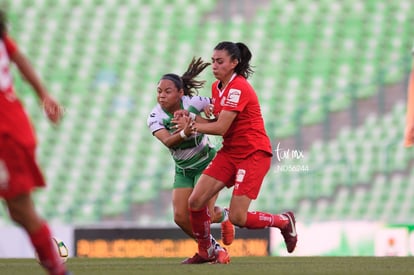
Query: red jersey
[[13, 118], [247, 133]]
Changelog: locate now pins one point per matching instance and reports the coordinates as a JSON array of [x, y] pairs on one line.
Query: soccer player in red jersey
[[245, 156], [19, 171]]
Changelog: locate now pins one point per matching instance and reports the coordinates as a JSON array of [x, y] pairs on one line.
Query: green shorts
[[187, 178]]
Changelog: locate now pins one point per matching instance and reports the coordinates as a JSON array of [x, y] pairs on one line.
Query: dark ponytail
[[240, 52], [190, 85], [187, 81]]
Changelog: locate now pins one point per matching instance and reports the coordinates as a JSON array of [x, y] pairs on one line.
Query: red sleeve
[[11, 46]]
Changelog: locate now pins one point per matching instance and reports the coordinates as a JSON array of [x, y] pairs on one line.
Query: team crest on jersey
[[233, 97], [240, 175]]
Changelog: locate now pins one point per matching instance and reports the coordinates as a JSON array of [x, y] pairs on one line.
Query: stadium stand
[[337, 179], [102, 59]]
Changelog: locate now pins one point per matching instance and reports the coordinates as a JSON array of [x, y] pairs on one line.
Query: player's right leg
[[207, 188]]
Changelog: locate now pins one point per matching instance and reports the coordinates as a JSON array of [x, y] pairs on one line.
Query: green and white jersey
[[194, 149]]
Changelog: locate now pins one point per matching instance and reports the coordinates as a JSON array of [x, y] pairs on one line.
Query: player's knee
[[181, 219], [195, 203]]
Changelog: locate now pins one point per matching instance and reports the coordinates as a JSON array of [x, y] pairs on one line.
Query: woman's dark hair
[[240, 52], [187, 81], [3, 23]]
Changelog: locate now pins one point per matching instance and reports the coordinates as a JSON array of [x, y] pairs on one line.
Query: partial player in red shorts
[[19, 171], [245, 156]]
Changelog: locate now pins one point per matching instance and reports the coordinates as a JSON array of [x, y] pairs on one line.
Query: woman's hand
[[183, 123], [53, 110], [181, 113], [209, 111]]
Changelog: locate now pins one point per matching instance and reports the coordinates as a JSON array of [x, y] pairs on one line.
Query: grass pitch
[[240, 265]]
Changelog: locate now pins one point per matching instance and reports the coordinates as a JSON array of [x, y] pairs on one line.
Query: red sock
[[200, 222], [47, 253], [259, 220]]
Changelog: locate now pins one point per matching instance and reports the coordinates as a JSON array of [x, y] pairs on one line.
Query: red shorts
[[19, 172], [246, 175]]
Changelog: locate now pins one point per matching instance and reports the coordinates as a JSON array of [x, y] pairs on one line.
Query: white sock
[[225, 215]]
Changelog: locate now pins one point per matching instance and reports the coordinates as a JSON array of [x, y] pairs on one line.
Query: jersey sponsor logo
[[240, 175], [233, 97]]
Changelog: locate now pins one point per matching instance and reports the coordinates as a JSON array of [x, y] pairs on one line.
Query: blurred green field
[[241, 265]]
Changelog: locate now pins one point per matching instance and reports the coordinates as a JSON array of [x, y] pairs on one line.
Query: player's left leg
[[180, 209], [240, 216]]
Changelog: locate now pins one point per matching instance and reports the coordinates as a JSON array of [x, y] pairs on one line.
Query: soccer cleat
[[205, 255], [289, 232], [209, 254], [196, 259], [227, 232], [222, 256]]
